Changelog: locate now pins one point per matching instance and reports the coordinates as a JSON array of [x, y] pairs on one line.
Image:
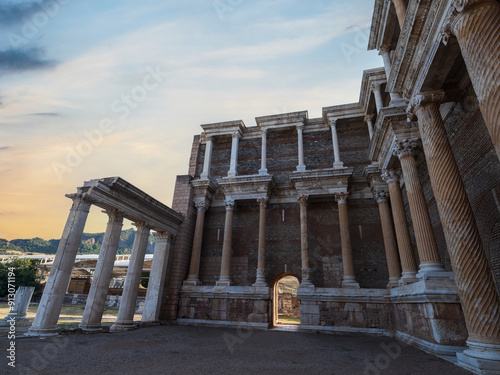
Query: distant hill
[[91, 244]]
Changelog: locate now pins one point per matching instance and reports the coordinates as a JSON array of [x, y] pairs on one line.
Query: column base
[[306, 284], [191, 281], [260, 281], [393, 283], [480, 358], [408, 278], [123, 326], [223, 281], [231, 174], [434, 271], [90, 327], [41, 332], [338, 165], [301, 168], [350, 282], [263, 172]]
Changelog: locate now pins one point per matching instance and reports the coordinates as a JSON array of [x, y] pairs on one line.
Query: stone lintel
[[137, 206], [340, 112], [247, 187], [321, 182], [223, 129], [204, 189], [282, 121]]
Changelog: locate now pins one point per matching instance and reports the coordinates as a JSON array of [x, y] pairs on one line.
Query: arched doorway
[[286, 306]]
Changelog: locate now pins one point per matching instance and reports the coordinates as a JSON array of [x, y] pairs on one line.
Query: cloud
[[44, 114], [21, 60], [3, 148], [14, 13]]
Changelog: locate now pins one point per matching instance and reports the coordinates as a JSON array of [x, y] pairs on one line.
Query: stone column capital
[[380, 195], [142, 225], [264, 131], [236, 135], [341, 198], [390, 175], [262, 202], [82, 201], [384, 48], [201, 204], [229, 204], [161, 236], [369, 118], [376, 86], [115, 216], [332, 121], [425, 99], [300, 127], [303, 199], [209, 138], [405, 148]]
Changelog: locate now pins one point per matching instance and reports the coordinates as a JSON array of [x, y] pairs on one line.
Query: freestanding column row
[[53, 295], [391, 249], [227, 247], [96, 300], [208, 158], [476, 287], [377, 92], [335, 138], [477, 28], [349, 280], [125, 319], [194, 268], [261, 257], [406, 254], [430, 260], [234, 155], [156, 284], [304, 242]]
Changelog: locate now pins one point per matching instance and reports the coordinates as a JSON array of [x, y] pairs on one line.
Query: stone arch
[[277, 300]]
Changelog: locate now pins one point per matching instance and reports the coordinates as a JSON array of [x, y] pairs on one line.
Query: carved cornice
[[405, 148]]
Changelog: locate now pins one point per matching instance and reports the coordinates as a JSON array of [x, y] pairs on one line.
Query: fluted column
[[385, 53], [263, 158], [156, 284], [430, 261], [96, 300], [369, 123], [304, 242], [125, 319], [208, 157], [475, 283], [391, 249], [406, 254], [51, 303], [376, 89], [194, 267], [227, 247], [476, 24], [349, 280], [335, 138], [301, 167], [234, 155], [261, 258], [400, 6]]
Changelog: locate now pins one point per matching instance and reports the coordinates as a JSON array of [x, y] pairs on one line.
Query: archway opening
[[286, 303]]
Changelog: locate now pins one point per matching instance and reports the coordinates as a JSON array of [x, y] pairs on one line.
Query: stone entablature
[[247, 187], [226, 128], [282, 121], [325, 182]]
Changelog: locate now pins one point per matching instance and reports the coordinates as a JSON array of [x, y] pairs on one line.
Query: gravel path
[[203, 350]]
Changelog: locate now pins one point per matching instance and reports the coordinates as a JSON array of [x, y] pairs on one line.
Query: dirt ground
[[203, 350]]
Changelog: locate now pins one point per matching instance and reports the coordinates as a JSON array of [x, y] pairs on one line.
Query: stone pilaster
[[234, 155], [406, 255], [202, 206], [476, 287], [369, 123], [263, 158], [377, 92], [476, 24], [349, 280], [304, 242], [227, 247], [391, 249], [335, 139], [157, 277], [49, 308], [301, 167], [125, 319], [96, 300], [208, 157], [261, 259]]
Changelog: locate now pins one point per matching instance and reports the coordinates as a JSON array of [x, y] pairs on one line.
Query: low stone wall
[[111, 301]]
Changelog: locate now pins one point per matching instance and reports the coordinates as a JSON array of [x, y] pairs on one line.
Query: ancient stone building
[[386, 210]]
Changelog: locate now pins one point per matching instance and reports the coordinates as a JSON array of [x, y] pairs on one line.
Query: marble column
[[335, 138], [263, 158], [400, 6], [430, 261], [377, 92], [125, 319], [406, 254], [49, 308], [385, 53], [476, 24], [227, 247], [157, 276], [96, 300], [349, 280], [234, 155], [208, 157], [301, 167], [475, 283], [304, 242], [391, 249], [369, 122], [261, 258], [202, 206]]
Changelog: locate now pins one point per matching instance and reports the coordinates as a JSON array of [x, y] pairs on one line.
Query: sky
[[100, 88]]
